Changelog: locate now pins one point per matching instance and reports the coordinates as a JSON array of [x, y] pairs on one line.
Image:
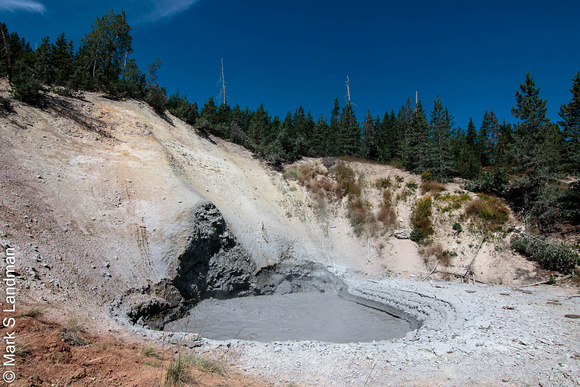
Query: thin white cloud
[[22, 5], [166, 9]]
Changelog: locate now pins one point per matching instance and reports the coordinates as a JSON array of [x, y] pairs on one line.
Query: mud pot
[[300, 303]]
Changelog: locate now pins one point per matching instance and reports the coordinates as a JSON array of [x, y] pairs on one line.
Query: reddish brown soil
[[45, 359]]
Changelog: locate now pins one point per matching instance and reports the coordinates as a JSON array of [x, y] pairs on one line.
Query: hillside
[[112, 208]]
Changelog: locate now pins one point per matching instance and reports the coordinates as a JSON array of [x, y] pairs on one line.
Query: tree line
[[525, 163]]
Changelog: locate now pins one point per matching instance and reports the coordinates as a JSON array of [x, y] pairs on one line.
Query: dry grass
[[432, 187], [488, 211]]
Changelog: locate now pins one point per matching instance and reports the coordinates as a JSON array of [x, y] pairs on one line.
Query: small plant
[[457, 227], [149, 351], [426, 176], [552, 256], [421, 216], [488, 211], [22, 350], [399, 179], [207, 365], [451, 202], [431, 186], [446, 256], [177, 372], [417, 236], [359, 214], [552, 280], [412, 186], [290, 173], [70, 333], [383, 183], [32, 312]]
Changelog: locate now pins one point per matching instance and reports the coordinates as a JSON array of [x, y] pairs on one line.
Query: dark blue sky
[[474, 54]]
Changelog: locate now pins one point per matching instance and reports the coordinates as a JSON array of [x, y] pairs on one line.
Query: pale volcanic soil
[[96, 198]]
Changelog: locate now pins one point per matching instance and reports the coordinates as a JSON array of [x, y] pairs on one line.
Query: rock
[[402, 234], [211, 264]]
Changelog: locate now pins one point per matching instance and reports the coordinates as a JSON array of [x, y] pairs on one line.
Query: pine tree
[[350, 136], [441, 123], [405, 119], [369, 147], [104, 51], [469, 163], [420, 156], [62, 59], [535, 150], [208, 113], [321, 135], [505, 154], [484, 141], [570, 124], [494, 134], [333, 140]]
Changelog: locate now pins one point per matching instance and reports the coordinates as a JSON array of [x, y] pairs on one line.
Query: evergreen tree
[[43, 64], [369, 137], [350, 136], [333, 140], [259, 126], [536, 153], [505, 153], [133, 83], [441, 123], [484, 146], [405, 119], [208, 114], [494, 134], [469, 160], [104, 51], [390, 146], [156, 96], [570, 114], [62, 55], [322, 134]]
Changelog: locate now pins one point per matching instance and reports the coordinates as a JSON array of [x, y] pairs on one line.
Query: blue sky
[[284, 54]]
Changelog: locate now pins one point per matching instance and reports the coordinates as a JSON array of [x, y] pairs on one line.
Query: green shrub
[[489, 182], [383, 183], [452, 202], [550, 255], [457, 227], [417, 236], [412, 186], [488, 211], [26, 88], [421, 216]]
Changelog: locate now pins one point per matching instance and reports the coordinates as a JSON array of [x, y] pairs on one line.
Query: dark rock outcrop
[[212, 264]]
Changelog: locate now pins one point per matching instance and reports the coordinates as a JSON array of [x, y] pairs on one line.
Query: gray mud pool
[[296, 316]]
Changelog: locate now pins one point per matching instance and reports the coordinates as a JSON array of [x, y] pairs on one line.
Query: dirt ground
[[52, 354]]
